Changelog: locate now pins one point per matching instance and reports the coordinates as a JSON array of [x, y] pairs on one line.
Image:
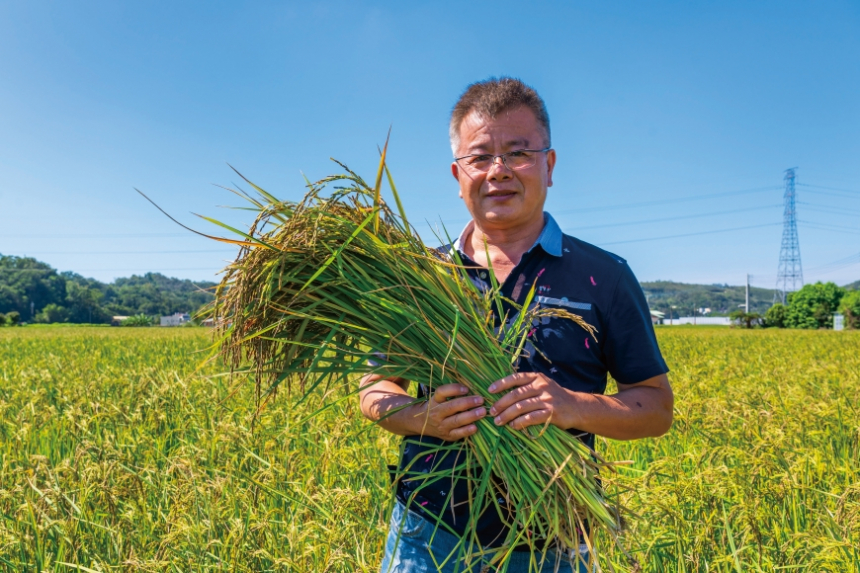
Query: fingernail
[[463, 389], [481, 413], [498, 421], [492, 388], [478, 400], [493, 411]]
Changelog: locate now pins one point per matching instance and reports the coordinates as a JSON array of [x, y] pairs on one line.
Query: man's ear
[[455, 171], [550, 165]]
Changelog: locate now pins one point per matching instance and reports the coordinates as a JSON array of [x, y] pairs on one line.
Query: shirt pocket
[[558, 337], [563, 302]]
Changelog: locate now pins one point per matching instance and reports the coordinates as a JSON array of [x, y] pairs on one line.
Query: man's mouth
[[498, 195]]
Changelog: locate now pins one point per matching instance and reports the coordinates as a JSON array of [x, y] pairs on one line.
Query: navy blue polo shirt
[[574, 276]]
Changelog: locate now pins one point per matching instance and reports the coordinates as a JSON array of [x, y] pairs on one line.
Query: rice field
[[117, 453]]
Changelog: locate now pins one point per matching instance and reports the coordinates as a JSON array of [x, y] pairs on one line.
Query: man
[[503, 162]]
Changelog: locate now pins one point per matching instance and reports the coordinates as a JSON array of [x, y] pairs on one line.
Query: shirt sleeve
[[631, 345]]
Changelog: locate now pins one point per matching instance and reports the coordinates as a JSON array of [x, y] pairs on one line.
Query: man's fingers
[[462, 424], [513, 397], [446, 391], [508, 382], [460, 433], [518, 409], [531, 419], [466, 418], [455, 406]]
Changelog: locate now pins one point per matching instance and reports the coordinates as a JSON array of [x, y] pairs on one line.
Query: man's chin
[[501, 216]]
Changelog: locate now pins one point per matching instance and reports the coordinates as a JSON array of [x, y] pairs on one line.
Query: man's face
[[502, 198]]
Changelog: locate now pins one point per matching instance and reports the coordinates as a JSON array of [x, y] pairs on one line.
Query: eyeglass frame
[[502, 155]]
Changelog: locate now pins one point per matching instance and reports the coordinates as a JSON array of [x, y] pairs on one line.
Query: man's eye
[[518, 154], [480, 159]]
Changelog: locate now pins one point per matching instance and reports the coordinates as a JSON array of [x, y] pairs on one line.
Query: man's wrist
[[572, 410], [413, 420]]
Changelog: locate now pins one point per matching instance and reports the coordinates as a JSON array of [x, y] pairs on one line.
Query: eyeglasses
[[517, 159]]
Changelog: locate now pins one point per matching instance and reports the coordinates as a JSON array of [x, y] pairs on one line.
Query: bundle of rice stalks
[[324, 287]]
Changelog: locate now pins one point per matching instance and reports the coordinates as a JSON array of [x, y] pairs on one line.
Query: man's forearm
[[383, 397], [639, 412]]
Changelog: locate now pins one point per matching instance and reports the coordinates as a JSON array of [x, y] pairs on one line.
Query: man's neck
[[506, 247]]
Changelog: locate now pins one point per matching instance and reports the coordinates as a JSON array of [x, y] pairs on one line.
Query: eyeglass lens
[[512, 160]]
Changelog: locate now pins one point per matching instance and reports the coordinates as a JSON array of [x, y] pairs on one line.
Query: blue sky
[[670, 119]]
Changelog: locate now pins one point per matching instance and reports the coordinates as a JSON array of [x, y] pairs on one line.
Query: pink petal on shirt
[[592, 281], [586, 343]]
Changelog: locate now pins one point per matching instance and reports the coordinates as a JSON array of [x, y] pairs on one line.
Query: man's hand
[[637, 411], [449, 415], [535, 399]]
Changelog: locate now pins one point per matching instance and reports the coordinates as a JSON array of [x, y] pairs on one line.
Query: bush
[[137, 320], [13, 318], [746, 319], [53, 313], [850, 308], [813, 306], [775, 316]]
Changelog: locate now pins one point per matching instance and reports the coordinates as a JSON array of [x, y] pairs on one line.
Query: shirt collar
[[549, 239]]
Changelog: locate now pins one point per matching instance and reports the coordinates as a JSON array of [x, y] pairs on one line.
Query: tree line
[[33, 291], [813, 306], [682, 299]]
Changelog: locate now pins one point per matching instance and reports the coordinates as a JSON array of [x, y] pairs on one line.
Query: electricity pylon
[[789, 278]]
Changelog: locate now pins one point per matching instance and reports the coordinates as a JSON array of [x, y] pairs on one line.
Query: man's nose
[[499, 170]]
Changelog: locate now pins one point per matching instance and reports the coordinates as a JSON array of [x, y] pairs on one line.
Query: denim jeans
[[415, 545]]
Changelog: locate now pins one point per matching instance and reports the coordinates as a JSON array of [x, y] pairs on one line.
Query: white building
[[701, 320], [838, 322], [176, 319]]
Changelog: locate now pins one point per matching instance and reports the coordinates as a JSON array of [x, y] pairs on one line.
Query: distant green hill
[[38, 293], [721, 299]]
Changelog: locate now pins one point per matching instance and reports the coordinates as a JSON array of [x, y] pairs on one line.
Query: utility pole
[[747, 305], [789, 277]]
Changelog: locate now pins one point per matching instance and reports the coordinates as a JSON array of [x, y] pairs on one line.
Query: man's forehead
[[517, 127], [487, 140]]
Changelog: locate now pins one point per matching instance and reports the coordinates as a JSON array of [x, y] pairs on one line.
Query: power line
[[829, 227], [829, 209], [123, 252], [693, 234], [843, 262], [91, 235], [679, 217], [829, 188], [5, 269], [832, 194], [667, 201], [836, 269]]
